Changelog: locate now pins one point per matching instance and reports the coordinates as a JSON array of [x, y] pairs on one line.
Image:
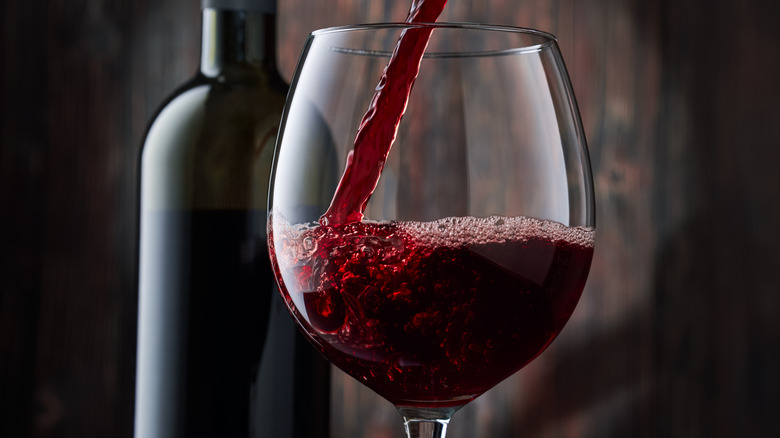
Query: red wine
[[379, 126], [436, 313]]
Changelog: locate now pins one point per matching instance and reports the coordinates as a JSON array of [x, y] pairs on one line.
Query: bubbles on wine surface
[[457, 231], [301, 240]]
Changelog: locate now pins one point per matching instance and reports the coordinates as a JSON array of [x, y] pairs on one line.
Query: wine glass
[[474, 247]]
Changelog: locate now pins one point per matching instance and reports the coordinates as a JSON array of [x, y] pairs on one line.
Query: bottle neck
[[237, 38]]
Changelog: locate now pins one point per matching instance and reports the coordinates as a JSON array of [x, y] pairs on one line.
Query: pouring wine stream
[[379, 126]]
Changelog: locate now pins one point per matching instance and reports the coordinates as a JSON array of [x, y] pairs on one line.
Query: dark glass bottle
[[218, 354]]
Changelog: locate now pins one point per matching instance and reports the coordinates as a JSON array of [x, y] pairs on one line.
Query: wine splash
[[379, 125]]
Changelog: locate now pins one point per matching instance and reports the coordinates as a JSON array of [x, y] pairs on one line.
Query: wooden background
[[677, 335]]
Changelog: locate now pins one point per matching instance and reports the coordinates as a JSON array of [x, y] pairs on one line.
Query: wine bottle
[[218, 353]]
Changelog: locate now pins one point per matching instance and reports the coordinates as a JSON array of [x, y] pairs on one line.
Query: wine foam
[[457, 231], [452, 232]]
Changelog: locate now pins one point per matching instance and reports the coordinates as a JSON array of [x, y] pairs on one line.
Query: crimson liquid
[[436, 313], [379, 125]]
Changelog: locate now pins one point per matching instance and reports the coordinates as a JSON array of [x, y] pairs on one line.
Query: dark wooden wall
[[677, 334]]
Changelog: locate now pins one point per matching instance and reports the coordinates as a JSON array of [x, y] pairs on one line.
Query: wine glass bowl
[[478, 237]]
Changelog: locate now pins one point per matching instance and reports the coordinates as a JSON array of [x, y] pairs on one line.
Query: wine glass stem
[[426, 422], [425, 429]]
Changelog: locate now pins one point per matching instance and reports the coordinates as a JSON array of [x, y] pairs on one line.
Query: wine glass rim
[[547, 38]]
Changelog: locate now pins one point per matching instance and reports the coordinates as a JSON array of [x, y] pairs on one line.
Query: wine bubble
[[309, 244]]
